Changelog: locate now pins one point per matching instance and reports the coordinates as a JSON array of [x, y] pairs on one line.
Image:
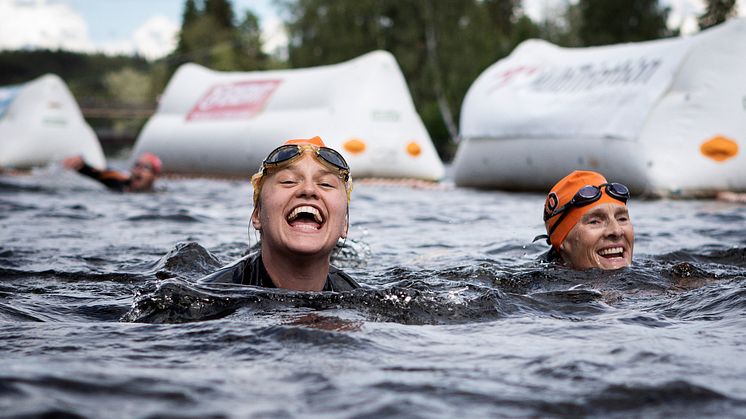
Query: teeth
[[307, 209], [610, 251]]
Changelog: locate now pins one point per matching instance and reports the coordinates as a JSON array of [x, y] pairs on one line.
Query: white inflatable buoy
[[40, 122], [225, 123], [664, 117]]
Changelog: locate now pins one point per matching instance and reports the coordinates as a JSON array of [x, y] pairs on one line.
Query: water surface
[[100, 315]]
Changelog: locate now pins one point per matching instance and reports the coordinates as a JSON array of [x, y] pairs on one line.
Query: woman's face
[[302, 209], [602, 238], [142, 175]]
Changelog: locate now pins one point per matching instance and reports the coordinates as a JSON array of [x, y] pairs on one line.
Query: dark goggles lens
[[144, 166], [282, 154], [288, 152], [589, 194], [332, 157], [618, 191]]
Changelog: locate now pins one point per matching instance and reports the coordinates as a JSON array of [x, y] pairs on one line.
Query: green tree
[[716, 12], [116, 88], [616, 21], [561, 25], [128, 85], [210, 37], [249, 39], [221, 11], [190, 15], [502, 14]]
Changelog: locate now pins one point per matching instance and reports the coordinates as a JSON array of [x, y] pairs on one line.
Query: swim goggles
[[287, 153], [587, 195], [144, 166]]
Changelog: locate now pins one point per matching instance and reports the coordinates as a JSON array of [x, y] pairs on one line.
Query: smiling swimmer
[[301, 200], [141, 178], [587, 222]]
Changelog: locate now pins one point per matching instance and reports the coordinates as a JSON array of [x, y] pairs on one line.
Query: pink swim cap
[[154, 161]]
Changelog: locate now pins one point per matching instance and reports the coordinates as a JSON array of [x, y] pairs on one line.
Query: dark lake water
[[101, 315]]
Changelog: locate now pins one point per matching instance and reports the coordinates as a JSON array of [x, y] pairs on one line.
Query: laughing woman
[[301, 202], [587, 222]]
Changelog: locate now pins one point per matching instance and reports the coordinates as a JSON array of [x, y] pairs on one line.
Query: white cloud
[[27, 24], [156, 37], [274, 37], [535, 9], [684, 15], [42, 24]]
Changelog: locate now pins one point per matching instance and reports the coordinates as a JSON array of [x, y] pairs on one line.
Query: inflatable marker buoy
[[40, 123], [225, 123], [644, 114]]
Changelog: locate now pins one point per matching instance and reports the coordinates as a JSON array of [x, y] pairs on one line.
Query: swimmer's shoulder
[[550, 257], [229, 274], [340, 280]]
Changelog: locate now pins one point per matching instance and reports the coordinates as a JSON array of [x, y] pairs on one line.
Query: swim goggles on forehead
[[588, 194], [289, 152]]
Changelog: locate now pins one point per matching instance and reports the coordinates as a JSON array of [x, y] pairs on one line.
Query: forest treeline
[[440, 45]]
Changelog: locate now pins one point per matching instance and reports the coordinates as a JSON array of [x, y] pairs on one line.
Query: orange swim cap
[[562, 193], [317, 141]]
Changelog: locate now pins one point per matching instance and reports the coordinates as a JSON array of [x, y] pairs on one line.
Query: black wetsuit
[[552, 256], [250, 270], [113, 180]]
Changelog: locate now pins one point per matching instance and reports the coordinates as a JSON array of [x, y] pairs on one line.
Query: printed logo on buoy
[[233, 101], [511, 74]]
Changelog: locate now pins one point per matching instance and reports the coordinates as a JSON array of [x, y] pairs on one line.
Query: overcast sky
[[149, 27]]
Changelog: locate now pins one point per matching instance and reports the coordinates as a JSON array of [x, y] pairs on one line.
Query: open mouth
[[612, 252], [305, 216]]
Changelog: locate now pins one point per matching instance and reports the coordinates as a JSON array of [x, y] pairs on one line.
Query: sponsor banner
[[544, 91], [233, 100]]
